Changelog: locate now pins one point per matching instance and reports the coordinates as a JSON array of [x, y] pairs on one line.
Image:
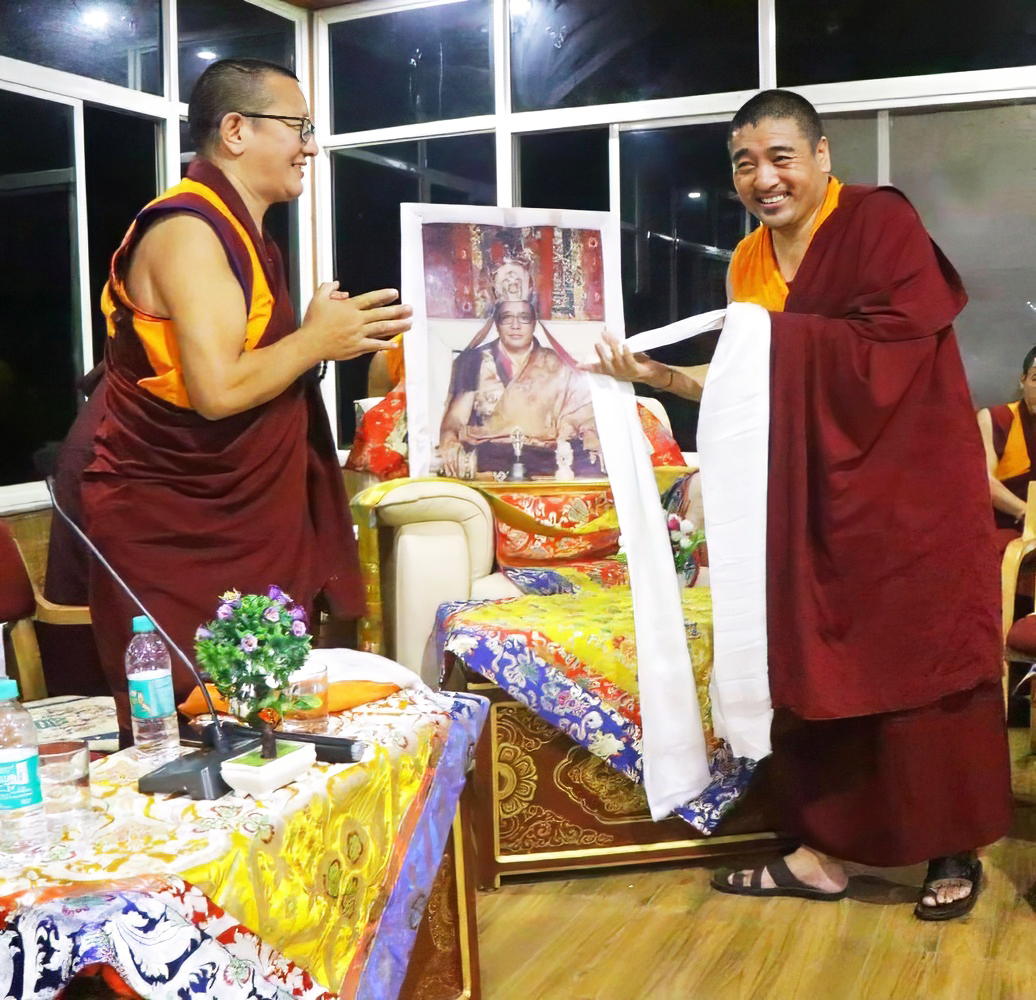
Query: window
[[565, 170], [117, 187], [854, 40], [117, 43], [224, 29], [574, 53], [419, 65], [680, 221], [40, 344], [368, 186]]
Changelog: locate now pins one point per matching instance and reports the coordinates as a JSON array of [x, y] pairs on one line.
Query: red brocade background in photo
[[566, 267]]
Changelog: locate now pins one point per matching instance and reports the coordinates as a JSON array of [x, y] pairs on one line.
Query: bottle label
[[151, 695], [20, 779]]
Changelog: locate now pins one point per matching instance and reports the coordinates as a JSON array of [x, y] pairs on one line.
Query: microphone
[[196, 774]]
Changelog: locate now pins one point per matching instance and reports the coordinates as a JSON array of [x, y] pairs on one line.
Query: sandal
[[954, 869], [784, 883]]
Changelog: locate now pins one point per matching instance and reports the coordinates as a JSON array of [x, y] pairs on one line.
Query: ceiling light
[[693, 194], [96, 17], [207, 54]]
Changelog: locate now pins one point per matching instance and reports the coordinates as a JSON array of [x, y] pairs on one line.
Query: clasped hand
[[344, 326]]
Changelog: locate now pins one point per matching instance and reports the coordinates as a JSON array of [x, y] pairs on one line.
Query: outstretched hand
[[616, 359], [344, 326]]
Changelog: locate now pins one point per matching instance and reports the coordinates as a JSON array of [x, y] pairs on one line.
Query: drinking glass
[[65, 780], [310, 680]]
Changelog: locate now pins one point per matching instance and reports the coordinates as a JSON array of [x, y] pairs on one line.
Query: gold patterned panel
[[519, 725], [515, 779], [599, 790], [541, 829]]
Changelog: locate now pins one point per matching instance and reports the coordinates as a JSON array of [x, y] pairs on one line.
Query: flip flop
[[954, 868], [784, 884]]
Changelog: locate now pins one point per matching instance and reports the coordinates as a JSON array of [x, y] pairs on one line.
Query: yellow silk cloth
[[306, 867], [754, 273], [371, 637], [591, 632]]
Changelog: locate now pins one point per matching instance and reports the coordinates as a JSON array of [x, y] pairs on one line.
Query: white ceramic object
[[249, 773]]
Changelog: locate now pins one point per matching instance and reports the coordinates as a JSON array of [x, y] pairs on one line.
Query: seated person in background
[[1009, 435], [517, 385]]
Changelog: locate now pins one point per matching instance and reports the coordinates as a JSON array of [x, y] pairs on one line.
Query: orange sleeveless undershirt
[[754, 273], [157, 333]]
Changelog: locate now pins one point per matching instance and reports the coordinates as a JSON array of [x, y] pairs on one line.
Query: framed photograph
[[507, 303]]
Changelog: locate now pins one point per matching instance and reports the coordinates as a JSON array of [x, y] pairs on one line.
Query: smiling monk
[[206, 458], [889, 739]]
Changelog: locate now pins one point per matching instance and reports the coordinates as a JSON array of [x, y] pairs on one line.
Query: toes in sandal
[[954, 869], [784, 883]]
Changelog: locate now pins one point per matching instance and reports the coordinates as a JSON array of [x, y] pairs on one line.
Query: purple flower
[[272, 614], [224, 611], [202, 633], [298, 627], [276, 594], [249, 643], [298, 613]]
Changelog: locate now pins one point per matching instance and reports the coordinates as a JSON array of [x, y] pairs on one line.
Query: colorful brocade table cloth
[[314, 889], [567, 650]]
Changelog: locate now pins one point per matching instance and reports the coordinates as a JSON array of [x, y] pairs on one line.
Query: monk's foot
[[805, 874], [950, 888]]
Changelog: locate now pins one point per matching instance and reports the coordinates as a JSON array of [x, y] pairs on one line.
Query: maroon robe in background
[[883, 597], [186, 508]]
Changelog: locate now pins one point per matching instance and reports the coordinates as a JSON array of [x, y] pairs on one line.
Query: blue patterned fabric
[[386, 966], [162, 935], [534, 580], [579, 713]]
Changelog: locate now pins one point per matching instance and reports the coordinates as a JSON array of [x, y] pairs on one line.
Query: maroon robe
[[186, 508], [883, 597]]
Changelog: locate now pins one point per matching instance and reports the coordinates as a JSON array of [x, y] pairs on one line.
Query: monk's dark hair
[[1030, 360], [778, 104], [228, 85]]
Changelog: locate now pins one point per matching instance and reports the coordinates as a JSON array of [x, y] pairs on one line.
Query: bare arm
[[617, 360], [180, 271], [1003, 498]]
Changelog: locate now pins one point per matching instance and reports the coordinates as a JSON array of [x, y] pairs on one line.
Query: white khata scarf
[[733, 438]]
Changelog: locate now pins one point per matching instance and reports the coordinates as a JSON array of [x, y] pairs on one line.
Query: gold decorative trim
[[460, 881], [599, 790], [628, 849], [536, 824]]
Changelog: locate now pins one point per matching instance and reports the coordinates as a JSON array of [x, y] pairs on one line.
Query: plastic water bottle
[[23, 824], [152, 709]]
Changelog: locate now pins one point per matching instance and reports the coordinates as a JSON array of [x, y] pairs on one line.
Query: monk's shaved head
[[779, 104]]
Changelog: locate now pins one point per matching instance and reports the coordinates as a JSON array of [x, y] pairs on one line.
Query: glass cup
[[65, 781], [309, 681]]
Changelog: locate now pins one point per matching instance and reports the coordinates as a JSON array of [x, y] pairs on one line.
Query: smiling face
[[277, 156], [779, 178]]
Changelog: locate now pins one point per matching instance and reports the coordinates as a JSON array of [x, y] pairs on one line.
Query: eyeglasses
[[305, 126], [514, 319]]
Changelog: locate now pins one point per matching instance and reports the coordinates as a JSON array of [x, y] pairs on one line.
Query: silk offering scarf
[[733, 436]]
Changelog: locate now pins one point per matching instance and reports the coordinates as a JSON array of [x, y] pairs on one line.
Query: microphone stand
[[196, 774]]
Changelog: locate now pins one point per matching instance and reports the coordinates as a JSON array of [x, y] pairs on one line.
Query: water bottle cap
[[143, 624], [8, 688]]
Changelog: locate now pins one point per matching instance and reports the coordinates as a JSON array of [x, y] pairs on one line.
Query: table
[[318, 889]]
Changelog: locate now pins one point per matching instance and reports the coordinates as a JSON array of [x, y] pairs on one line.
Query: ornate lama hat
[[512, 282]]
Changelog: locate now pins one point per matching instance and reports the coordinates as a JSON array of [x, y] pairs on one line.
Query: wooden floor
[[658, 933]]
